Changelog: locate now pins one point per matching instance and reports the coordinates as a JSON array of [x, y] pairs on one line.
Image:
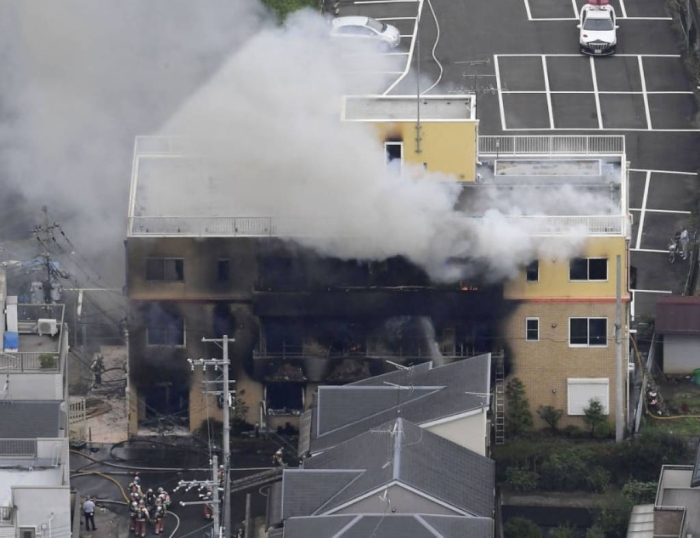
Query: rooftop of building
[[26, 419], [27, 478], [678, 315], [406, 108], [167, 170], [343, 412]]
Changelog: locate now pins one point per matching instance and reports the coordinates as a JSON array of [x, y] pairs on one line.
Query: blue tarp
[[11, 341]]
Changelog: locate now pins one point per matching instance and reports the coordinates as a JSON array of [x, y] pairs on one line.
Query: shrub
[[519, 527], [521, 479], [47, 361], [594, 416], [598, 480], [638, 492], [612, 518], [605, 430], [518, 415], [551, 416], [565, 531], [567, 470], [642, 458], [574, 432]]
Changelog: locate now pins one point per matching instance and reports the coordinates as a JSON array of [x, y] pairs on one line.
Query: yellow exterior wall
[[554, 275], [544, 366], [447, 147]]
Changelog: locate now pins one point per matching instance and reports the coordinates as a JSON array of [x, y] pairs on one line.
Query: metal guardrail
[[29, 361], [18, 447], [552, 145], [575, 225]]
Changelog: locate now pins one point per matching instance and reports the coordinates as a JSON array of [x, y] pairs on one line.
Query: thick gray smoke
[[270, 119], [81, 78]]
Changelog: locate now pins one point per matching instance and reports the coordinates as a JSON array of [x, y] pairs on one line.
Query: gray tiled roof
[[343, 412], [305, 491], [388, 526], [29, 419], [401, 451]]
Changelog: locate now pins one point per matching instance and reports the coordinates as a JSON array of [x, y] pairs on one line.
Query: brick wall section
[[544, 366]]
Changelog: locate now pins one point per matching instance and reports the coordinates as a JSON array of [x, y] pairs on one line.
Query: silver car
[[365, 28]]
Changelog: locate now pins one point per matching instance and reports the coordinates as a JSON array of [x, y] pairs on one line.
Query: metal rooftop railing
[[552, 145], [287, 228]]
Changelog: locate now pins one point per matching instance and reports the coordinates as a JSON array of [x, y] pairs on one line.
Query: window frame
[[165, 273], [184, 336], [588, 332], [387, 160], [587, 381], [536, 263], [588, 269], [527, 330]]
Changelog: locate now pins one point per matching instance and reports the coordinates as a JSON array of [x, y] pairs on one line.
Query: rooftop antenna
[[418, 126]]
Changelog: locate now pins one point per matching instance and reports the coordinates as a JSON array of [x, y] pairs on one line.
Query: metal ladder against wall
[[500, 402]]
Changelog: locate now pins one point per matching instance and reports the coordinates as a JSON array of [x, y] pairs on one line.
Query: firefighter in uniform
[[164, 498], [159, 516], [98, 368], [150, 499], [208, 508], [277, 459], [133, 510], [142, 516]]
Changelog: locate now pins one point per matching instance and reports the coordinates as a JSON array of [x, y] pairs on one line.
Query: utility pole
[[44, 234], [212, 484], [228, 403], [619, 386]]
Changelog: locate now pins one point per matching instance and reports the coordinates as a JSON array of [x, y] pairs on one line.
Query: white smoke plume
[[270, 118]]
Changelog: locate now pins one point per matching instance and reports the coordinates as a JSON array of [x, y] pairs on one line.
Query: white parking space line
[[579, 55], [500, 92], [597, 97], [396, 18], [403, 74], [542, 19], [644, 91], [610, 129], [405, 35], [527, 9], [653, 251], [600, 92], [576, 13], [647, 181], [664, 172], [546, 87], [623, 10], [671, 211]]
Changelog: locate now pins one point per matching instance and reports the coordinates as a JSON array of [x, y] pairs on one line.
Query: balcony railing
[[12, 448], [552, 145], [29, 361], [370, 351], [572, 226]]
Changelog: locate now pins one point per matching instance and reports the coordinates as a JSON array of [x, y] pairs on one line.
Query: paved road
[[522, 57], [191, 517]]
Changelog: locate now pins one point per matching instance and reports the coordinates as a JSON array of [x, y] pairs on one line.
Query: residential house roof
[[29, 419], [388, 526], [678, 315], [396, 452], [420, 394]]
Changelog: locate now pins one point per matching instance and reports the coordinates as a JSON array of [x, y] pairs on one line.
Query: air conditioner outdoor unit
[[47, 327]]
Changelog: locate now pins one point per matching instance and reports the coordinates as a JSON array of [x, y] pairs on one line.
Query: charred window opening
[[533, 271], [588, 269], [224, 321], [164, 328], [223, 268], [393, 150], [284, 398], [165, 269], [166, 399]]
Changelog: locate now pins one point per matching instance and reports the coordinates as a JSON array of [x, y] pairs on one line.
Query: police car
[[598, 28]]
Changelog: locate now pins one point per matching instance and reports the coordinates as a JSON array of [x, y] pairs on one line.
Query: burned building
[[304, 316]]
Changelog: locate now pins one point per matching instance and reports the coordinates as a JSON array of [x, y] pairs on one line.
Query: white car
[[365, 28], [598, 29]]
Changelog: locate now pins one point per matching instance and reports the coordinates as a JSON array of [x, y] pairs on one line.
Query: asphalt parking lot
[[523, 60], [384, 76]]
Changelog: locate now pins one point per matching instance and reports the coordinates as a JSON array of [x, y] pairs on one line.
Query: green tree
[[594, 416], [518, 415], [519, 527], [638, 492], [522, 479], [551, 416], [612, 518]]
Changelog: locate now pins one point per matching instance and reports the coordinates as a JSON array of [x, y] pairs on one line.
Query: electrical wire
[[437, 40]]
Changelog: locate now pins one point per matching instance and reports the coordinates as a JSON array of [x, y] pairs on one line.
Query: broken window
[[533, 271], [588, 269], [394, 151], [164, 328], [165, 269], [284, 398], [588, 331]]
